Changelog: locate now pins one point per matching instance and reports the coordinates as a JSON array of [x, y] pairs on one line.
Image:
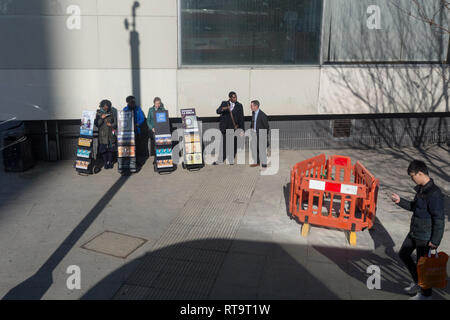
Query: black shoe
[[215, 163]]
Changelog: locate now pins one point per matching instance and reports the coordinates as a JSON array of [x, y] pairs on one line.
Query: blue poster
[[161, 117], [83, 153]]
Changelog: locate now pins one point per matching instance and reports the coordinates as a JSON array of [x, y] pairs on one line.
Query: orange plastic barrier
[[333, 193]]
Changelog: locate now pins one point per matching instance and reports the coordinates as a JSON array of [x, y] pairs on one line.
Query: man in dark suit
[[231, 117], [259, 122]]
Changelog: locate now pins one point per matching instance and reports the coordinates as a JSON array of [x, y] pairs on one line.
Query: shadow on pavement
[[211, 269], [394, 275], [194, 270], [37, 285]]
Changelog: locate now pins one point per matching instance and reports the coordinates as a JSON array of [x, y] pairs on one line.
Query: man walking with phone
[[427, 223]]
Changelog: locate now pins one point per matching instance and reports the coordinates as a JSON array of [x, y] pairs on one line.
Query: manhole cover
[[114, 244]]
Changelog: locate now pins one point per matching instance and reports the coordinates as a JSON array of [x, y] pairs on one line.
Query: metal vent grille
[[342, 128]]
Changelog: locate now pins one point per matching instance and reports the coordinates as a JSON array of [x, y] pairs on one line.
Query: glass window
[[250, 32]]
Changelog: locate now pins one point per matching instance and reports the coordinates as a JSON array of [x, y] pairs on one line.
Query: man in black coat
[[259, 122], [427, 223], [231, 117]]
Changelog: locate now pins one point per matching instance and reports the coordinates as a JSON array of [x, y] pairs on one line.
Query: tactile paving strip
[[185, 261]]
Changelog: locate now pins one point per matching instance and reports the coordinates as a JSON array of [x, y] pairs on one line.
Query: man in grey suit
[[259, 122]]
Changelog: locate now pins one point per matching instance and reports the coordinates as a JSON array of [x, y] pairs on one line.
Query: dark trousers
[[152, 150], [107, 153], [141, 149], [409, 245], [107, 157], [224, 148]]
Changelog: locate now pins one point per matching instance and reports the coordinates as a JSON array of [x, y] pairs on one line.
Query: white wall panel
[[205, 89], [286, 92], [383, 89], [64, 94]]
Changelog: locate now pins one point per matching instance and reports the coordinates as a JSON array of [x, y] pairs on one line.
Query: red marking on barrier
[[333, 187], [340, 161]]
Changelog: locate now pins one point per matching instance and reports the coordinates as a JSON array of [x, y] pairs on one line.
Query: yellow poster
[[192, 138], [83, 142], [82, 164]]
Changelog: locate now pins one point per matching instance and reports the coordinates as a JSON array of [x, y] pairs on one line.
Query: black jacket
[[428, 220], [225, 118], [105, 133]]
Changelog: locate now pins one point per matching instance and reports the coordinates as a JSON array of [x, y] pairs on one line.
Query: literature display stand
[[126, 144], [163, 143], [193, 152], [85, 160]]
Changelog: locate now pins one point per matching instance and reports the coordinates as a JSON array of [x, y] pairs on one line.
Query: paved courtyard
[[219, 233]]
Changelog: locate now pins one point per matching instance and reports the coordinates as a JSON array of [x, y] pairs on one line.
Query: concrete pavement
[[220, 233]]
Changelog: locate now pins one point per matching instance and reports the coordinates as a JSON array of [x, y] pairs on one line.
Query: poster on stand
[[194, 159], [164, 152], [87, 123], [80, 164], [192, 142], [189, 120], [84, 153], [126, 139], [83, 142], [163, 142], [126, 150], [163, 139]]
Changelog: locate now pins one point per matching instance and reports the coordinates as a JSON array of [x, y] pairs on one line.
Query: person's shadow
[[37, 285]]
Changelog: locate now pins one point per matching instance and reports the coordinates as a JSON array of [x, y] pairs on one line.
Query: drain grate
[[114, 244]]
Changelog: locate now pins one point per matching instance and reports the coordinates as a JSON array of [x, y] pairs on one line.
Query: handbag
[[432, 270]]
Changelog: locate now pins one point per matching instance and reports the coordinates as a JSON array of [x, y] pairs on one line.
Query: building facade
[[322, 58]]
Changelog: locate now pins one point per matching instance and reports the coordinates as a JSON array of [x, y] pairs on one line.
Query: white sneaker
[[420, 296], [412, 289]]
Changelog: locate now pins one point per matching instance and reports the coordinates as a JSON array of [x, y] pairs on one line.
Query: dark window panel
[[240, 32]]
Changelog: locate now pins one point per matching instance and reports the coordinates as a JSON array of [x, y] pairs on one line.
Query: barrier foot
[[352, 238], [305, 229]]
